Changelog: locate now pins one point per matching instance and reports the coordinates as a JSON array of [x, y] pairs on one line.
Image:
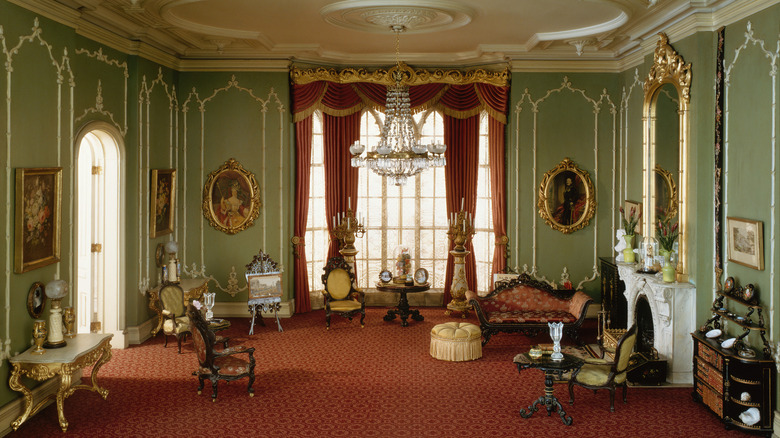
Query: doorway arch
[[100, 232]]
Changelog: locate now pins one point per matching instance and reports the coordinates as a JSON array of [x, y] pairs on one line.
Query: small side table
[[264, 305], [551, 369], [84, 350], [403, 309]]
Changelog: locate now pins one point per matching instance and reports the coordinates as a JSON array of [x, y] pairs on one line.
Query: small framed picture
[[37, 225], [746, 242], [36, 299], [628, 207], [163, 190], [264, 285]]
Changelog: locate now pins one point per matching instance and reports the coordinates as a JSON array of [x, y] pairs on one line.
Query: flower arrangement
[[629, 224], [667, 233]]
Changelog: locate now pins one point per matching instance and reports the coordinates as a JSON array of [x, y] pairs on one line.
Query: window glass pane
[[426, 244], [427, 212]]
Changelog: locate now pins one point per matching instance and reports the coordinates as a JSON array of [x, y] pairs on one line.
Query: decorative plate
[[385, 276], [728, 286], [421, 275], [714, 333], [749, 292], [747, 352], [728, 343]]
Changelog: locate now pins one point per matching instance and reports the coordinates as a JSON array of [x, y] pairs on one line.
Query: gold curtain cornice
[[410, 76]]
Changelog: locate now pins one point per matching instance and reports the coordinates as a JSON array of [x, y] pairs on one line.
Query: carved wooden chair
[[597, 373], [217, 365], [341, 297], [175, 320]]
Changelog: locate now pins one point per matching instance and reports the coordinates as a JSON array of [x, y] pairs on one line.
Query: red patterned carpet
[[379, 381]]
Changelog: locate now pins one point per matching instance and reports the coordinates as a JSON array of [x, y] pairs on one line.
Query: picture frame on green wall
[[162, 194], [567, 199], [231, 198], [746, 242], [38, 212]]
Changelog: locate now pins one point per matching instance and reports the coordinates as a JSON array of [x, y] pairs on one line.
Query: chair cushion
[[344, 306], [596, 375], [231, 366], [525, 316], [182, 325]]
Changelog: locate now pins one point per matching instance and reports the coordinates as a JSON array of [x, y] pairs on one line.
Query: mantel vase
[[628, 253], [668, 270]]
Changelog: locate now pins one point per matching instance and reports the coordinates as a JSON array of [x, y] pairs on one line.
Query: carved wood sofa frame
[[573, 302]]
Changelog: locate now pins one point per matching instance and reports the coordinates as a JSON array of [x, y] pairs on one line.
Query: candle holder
[[39, 336], [347, 227], [460, 232], [68, 319], [56, 291], [556, 333]]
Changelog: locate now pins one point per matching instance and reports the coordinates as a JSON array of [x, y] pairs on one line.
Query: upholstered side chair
[[175, 320], [225, 364], [341, 297], [597, 373]]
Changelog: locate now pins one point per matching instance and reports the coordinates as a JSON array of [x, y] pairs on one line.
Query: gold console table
[[84, 350], [194, 288]]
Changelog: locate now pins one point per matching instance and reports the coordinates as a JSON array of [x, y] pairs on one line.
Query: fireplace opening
[[644, 325]]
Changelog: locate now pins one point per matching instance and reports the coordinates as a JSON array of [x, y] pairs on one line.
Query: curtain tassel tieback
[[297, 241]]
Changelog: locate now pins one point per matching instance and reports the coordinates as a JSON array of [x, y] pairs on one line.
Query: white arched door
[[100, 230]]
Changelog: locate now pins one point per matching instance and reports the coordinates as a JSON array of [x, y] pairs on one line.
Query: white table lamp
[[56, 291]]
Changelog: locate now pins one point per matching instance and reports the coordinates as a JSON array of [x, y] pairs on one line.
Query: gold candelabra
[[460, 232], [347, 227]]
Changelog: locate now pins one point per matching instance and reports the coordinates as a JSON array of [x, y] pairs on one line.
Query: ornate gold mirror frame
[[668, 68], [567, 200]]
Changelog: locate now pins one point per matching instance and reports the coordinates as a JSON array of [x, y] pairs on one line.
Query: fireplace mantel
[[673, 306]]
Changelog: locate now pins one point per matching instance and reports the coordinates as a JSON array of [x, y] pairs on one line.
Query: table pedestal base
[[403, 311], [549, 401]]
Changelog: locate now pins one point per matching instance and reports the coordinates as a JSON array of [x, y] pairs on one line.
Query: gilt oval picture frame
[[231, 198], [567, 199]]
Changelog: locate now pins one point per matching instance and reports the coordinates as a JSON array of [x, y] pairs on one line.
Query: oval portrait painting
[[566, 197], [231, 200]]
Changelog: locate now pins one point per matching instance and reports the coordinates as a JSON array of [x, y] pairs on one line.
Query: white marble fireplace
[[673, 308]]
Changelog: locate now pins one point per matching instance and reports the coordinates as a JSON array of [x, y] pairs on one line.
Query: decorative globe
[[172, 247]]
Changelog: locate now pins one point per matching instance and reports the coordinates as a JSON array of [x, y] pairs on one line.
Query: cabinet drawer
[[711, 399], [710, 355], [706, 373]]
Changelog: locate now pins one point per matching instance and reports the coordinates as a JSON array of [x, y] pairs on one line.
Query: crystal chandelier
[[399, 155]]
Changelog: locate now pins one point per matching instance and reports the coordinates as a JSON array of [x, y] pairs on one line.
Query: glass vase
[[628, 253], [668, 270], [556, 333]]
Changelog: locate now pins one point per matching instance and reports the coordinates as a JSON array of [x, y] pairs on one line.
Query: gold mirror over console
[[665, 135], [567, 199]]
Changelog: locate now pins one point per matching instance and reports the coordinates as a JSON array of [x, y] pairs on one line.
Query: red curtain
[[462, 138], [303, 134], [341, 179]]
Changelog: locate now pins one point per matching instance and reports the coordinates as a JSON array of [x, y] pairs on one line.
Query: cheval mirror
[[665, 145]]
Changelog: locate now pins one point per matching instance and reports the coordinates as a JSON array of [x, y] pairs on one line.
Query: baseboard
[[11, 411], [240, 310], [140, 333]]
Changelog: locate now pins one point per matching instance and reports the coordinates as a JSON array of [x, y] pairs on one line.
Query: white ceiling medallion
[[420, 16]]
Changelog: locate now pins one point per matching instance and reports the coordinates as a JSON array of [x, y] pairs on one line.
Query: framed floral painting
[[37, 224], [163, 190], [231, 198]]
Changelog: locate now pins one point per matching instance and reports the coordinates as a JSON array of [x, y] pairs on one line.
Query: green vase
[[668, 270], [628, 253]]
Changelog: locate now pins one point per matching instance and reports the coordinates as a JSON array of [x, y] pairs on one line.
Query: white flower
[[197, 304]]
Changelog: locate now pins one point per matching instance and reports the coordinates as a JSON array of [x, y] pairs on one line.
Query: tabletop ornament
[[172, 271], [208, 298], [556, 333], [39, 336], [68, 319]]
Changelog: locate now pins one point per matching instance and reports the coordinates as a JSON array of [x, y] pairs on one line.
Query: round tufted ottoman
[[456, 341]]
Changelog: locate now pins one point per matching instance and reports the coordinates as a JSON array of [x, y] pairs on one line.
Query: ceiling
[[358, 32]]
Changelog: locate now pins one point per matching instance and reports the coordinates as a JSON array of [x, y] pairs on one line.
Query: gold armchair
[[340, 297], [598, 373], [175, 320]]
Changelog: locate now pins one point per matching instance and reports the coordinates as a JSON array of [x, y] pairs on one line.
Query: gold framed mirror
[[665, 144], [567, 200]]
